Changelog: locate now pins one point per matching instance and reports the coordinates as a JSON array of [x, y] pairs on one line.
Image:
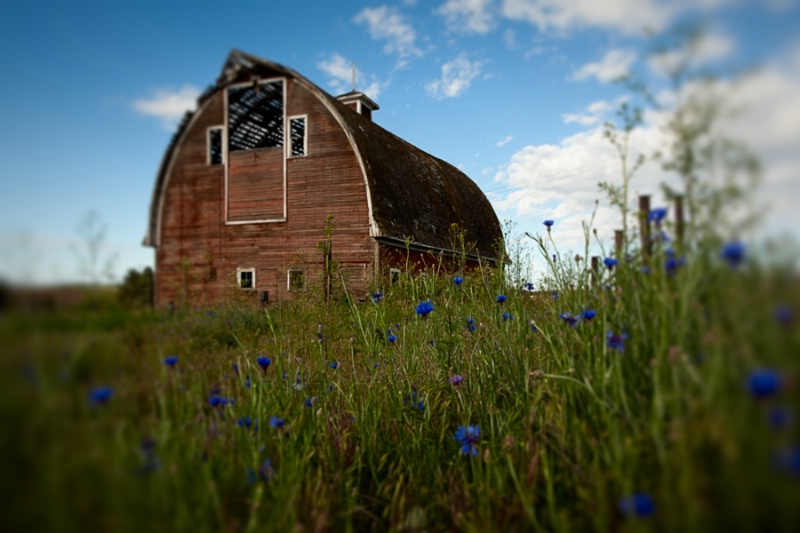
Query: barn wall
[[416, 261], [198, 255]]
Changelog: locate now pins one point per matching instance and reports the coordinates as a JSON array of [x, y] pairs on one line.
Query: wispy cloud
[[615, 63], [387, 24], [629, 17], [467, 16], [340, 70], [594, 113], [457, 75], [504, 141], [706, 48], [168, 105]]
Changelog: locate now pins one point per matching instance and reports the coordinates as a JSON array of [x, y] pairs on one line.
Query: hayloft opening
[[255, 116]]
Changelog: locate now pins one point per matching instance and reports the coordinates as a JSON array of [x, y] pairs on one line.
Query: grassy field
[[660, 396]]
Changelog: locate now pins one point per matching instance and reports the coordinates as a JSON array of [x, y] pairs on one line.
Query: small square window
[[215, 145], [296, 281], [246, 278]]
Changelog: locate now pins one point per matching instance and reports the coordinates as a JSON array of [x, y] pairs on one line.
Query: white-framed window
[[296, 280], [298, 137], [246, 278], [214, 146], [394, 275]]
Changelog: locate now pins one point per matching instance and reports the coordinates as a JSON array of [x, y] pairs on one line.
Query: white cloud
[[169, 105], [467, 16], [615, 63], [510, 38], [386, 24], [504, 141], [595, 112], [340, 71], [457, 75], [559, 182], [630, 17]]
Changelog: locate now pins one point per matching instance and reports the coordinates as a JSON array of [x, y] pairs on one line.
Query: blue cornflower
[[672, 264], [375, 365], [377, 297], [763, 383], [549, 224], [150, 461], [554, 295], [733, 253], [266, 472], [247, 382], [467, 436], [589, 314], [458, 280], [501, 298], [217, 401], [424, 308], [391, 336], [788, 460], [470, 324], [277, 422], [616, 342], [171, 360], [554, 258], [246, 422], [657, 214], [507, 316], [638, 504], [284, 375], [264, 362], [310, 401], [456, 380], [784, 315], [334, 364], [235, 368], [528, 286], [570, 320], [610, 262], [100, 395], [780, 417]]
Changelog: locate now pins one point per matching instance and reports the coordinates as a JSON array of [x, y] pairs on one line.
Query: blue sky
[[513, 92]]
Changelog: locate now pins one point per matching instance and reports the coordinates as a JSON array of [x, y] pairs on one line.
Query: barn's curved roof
[[412, 194]]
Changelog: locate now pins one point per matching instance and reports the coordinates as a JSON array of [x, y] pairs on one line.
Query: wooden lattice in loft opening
[[255, 116]]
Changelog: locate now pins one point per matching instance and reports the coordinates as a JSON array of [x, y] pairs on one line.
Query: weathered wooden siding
[[198, 254], [255, 185]]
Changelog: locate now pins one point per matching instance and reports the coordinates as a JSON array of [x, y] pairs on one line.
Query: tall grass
[[349, 431]]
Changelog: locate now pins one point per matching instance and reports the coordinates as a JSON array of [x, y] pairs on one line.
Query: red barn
[[251, 177]]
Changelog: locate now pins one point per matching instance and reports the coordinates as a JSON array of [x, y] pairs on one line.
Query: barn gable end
[[250, 178]]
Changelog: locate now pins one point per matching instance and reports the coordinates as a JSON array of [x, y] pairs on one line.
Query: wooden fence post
[[644, 224]]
